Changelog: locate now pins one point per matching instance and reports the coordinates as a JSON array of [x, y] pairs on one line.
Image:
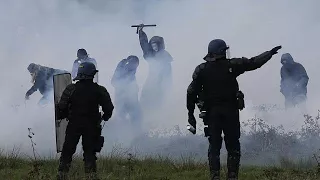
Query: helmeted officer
[[80, 103], [216, 81]]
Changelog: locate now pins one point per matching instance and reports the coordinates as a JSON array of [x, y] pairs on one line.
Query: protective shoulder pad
[[198, 69], [70, 89]]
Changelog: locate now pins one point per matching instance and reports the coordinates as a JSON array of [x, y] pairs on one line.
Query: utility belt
[[203, 112]]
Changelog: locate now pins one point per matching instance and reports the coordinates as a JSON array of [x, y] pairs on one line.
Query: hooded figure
[[294, 81], [126, 90], [82, 56], [42, 80], [159, 80]]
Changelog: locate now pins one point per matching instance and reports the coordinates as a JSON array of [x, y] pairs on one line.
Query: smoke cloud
[[50, 33]]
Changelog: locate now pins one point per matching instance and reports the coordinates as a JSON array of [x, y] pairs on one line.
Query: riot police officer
[[216, 79], [80, 104]]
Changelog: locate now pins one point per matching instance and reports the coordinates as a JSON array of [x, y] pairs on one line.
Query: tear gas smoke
[[50, 32]]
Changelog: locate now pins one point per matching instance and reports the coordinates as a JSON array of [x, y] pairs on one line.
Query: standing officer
[[80, 104], [216, 80]]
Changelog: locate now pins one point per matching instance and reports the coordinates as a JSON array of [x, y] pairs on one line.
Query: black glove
[[192, 120], [275, 50]]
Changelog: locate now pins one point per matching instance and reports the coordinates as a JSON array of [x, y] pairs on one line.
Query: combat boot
[[214, 163], [90, 169], [63, 170], [215, 175]]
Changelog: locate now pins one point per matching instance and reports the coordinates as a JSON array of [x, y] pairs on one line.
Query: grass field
[[115, 168], [295, 155]]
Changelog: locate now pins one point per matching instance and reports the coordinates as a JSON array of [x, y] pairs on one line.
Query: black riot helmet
[[86, 70], [216, 49]]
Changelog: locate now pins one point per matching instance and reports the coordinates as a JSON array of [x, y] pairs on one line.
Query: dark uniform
[[216, 80], [159, 80], [42, 81], [80, 104], [127, 90], [294, 81]]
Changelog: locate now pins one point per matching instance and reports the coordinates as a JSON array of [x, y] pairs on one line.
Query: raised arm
[[145, 46]]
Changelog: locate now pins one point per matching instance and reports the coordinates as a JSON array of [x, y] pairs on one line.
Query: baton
[[143, 25]]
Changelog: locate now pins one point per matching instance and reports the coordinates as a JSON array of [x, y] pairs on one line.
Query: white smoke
[[50, 33]]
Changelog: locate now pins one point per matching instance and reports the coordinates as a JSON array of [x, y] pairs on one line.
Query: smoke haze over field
[[50, 33]]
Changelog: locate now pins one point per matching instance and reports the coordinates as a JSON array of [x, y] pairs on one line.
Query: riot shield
[[60, 82]]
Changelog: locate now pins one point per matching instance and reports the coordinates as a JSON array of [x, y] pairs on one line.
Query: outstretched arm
[[244, 64], [37, 83], [33, 89], [145, 46]]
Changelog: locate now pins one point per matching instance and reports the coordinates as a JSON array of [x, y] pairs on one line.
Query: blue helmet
[[86, 70], [216, 47]]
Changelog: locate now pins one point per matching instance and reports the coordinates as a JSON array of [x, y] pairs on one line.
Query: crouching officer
[[80, 104], [216, 79]]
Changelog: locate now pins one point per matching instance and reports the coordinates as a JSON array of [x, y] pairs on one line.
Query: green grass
[[114, 168]]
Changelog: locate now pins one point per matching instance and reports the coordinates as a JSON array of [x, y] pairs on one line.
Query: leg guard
[[214, 159], [90, 167], [233, 164]]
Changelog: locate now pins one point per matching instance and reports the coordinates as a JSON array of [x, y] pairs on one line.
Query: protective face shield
[[155, 47]]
